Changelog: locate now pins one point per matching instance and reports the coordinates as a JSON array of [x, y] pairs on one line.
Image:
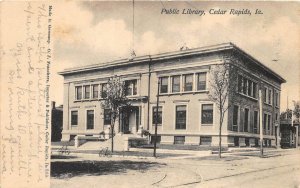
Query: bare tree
[[223, 84], [115, 100]]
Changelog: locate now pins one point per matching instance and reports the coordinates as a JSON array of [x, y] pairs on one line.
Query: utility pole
[[260, 124], [296, 127], [156, 118]]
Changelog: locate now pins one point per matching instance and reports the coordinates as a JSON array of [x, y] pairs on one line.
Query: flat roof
[[169, 55]]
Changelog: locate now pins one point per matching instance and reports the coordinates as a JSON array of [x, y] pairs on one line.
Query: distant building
[[56, 122], [186, 114], [289, 133]]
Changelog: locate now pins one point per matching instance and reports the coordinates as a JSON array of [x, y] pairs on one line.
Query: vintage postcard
[[134, 93]]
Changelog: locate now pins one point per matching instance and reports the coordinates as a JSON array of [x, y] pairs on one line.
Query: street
[[278, 169]]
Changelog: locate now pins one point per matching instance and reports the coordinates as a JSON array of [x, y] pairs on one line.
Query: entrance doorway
[[130, 119]]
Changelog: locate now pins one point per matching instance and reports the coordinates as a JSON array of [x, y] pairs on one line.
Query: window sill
[[268, 104], [85, 100], [184, 92], [207, 125], [249, 97]]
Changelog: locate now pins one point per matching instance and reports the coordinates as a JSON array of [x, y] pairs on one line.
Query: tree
[[114, 101], [287, 114], [297, 109], [223, 84]]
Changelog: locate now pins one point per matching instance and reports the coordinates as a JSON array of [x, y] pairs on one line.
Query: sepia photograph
[[138, 94]]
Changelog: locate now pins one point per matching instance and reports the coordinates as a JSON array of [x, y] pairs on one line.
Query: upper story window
[[91, 91], [191, 82], [87, 91], [276, 98], [164, 84], [245, 83], [201, 81], [131, 87], [268, 95], [104, 91], [265, 95], [95, 91], [254, 90], [175, 84], [78, 92], [247, 87], [188, 82]]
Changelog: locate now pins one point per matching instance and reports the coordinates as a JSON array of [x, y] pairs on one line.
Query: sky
[[97, 32]]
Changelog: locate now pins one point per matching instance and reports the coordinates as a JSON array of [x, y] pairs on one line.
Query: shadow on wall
[[97, 168]]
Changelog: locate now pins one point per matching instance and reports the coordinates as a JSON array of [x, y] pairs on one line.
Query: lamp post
[[156, 118]]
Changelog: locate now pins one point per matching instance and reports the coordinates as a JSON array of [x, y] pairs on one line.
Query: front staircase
[[121, 142]]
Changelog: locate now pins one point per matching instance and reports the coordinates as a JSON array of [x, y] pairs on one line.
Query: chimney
[[52, 104]]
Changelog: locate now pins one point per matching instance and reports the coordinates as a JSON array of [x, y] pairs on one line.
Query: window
[[78, 90], [188, 82], [247, 142], [175, 84], [131, 87], [159, 117], [90, 119], [269, 122], [254, 90], [235, 118], [246, 120], [276, 99], [265, 95], [207, 114], [107, 117], [95, 91], [164, 81], [201, 81], [87, 92], [265, 121], [74, 118], [179, 139], [250, 88], [205, 140], [104, 91], [240, 84], [181, 117], [255, 122], [247, 87], [270, 97]]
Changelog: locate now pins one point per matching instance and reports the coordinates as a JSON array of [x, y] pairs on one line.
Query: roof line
[[169, 55]]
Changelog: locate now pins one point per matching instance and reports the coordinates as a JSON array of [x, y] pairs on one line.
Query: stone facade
[[187, 115]]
